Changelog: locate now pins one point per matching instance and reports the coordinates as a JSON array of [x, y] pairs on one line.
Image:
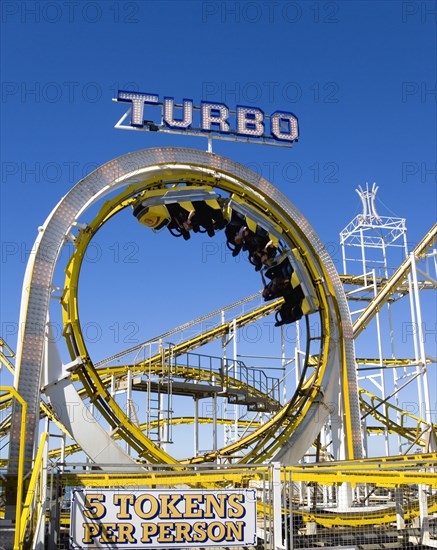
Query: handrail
[[20, 473], [180, 328], [24, 515]]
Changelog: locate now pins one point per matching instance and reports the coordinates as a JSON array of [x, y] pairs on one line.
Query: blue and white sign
[[212, 120]]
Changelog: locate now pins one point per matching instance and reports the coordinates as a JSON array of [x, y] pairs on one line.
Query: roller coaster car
[[235, 225], [290, 280], [250, 230], [291, 310], [281, 279], [181, 210]]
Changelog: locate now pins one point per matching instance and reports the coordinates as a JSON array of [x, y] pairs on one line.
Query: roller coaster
[[314, 442]]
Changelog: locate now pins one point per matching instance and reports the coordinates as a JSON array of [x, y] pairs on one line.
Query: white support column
[[392, 347], [426, 400], [196, 426], [128, 402], [343, 253], [399, 500], [214, 419], [236, 374], [224, 388], [414, 332], [63, 437], [380, 357], [363, 256], [345, 495], [297, 353], [424, 519], [277, 506]]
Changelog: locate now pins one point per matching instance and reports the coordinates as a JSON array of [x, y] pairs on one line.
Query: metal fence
[[365, 506]]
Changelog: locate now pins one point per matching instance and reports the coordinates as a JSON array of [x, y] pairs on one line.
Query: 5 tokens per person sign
[[169, 518]]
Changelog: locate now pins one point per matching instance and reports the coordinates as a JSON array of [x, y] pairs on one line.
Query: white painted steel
[[127, 169]]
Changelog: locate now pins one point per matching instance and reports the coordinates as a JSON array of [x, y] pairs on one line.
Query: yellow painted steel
[[24, 514], [153, 365], [182, 371], [332, 517], [388, 362], [11, 393], [324, 476], [380, 408], [368, 281], [175, 421], [410, 433], [6, 357], [423, 460], [370, 517], [393, 283], [359, 280], [45, 408], [45, 411], [384, 472], [286, 420]]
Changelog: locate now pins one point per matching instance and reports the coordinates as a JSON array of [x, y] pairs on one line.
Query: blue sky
[[360, 76]]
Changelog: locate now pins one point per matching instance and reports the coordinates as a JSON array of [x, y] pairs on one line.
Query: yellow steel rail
[[155, 361], [186, 372], [359, 280], [287, 419], [406, 462], [379, 409], [332, 517], [175, 421], [426, 242], [401, 362], [5, 357], [26, 512], [12, 393], [408, 432], [370, 517], [44, 410], [9, 394], [321, 475], [393, 283]]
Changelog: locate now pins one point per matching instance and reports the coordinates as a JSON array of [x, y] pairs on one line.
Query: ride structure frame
[[34, 349]]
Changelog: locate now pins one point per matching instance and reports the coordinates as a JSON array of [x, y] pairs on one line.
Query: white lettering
[[214, 113]]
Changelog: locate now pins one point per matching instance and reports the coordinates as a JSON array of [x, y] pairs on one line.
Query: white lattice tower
[[373, 246]]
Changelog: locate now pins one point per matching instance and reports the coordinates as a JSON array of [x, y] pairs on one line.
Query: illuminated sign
[[170, 518], [213, 120]]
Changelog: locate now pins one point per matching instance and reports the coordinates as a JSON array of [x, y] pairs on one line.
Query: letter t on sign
[[138, 100]]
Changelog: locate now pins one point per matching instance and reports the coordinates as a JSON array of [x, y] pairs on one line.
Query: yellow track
[[383, 295], [352, 472], [263, 442], [176, 421], [393, 283]]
